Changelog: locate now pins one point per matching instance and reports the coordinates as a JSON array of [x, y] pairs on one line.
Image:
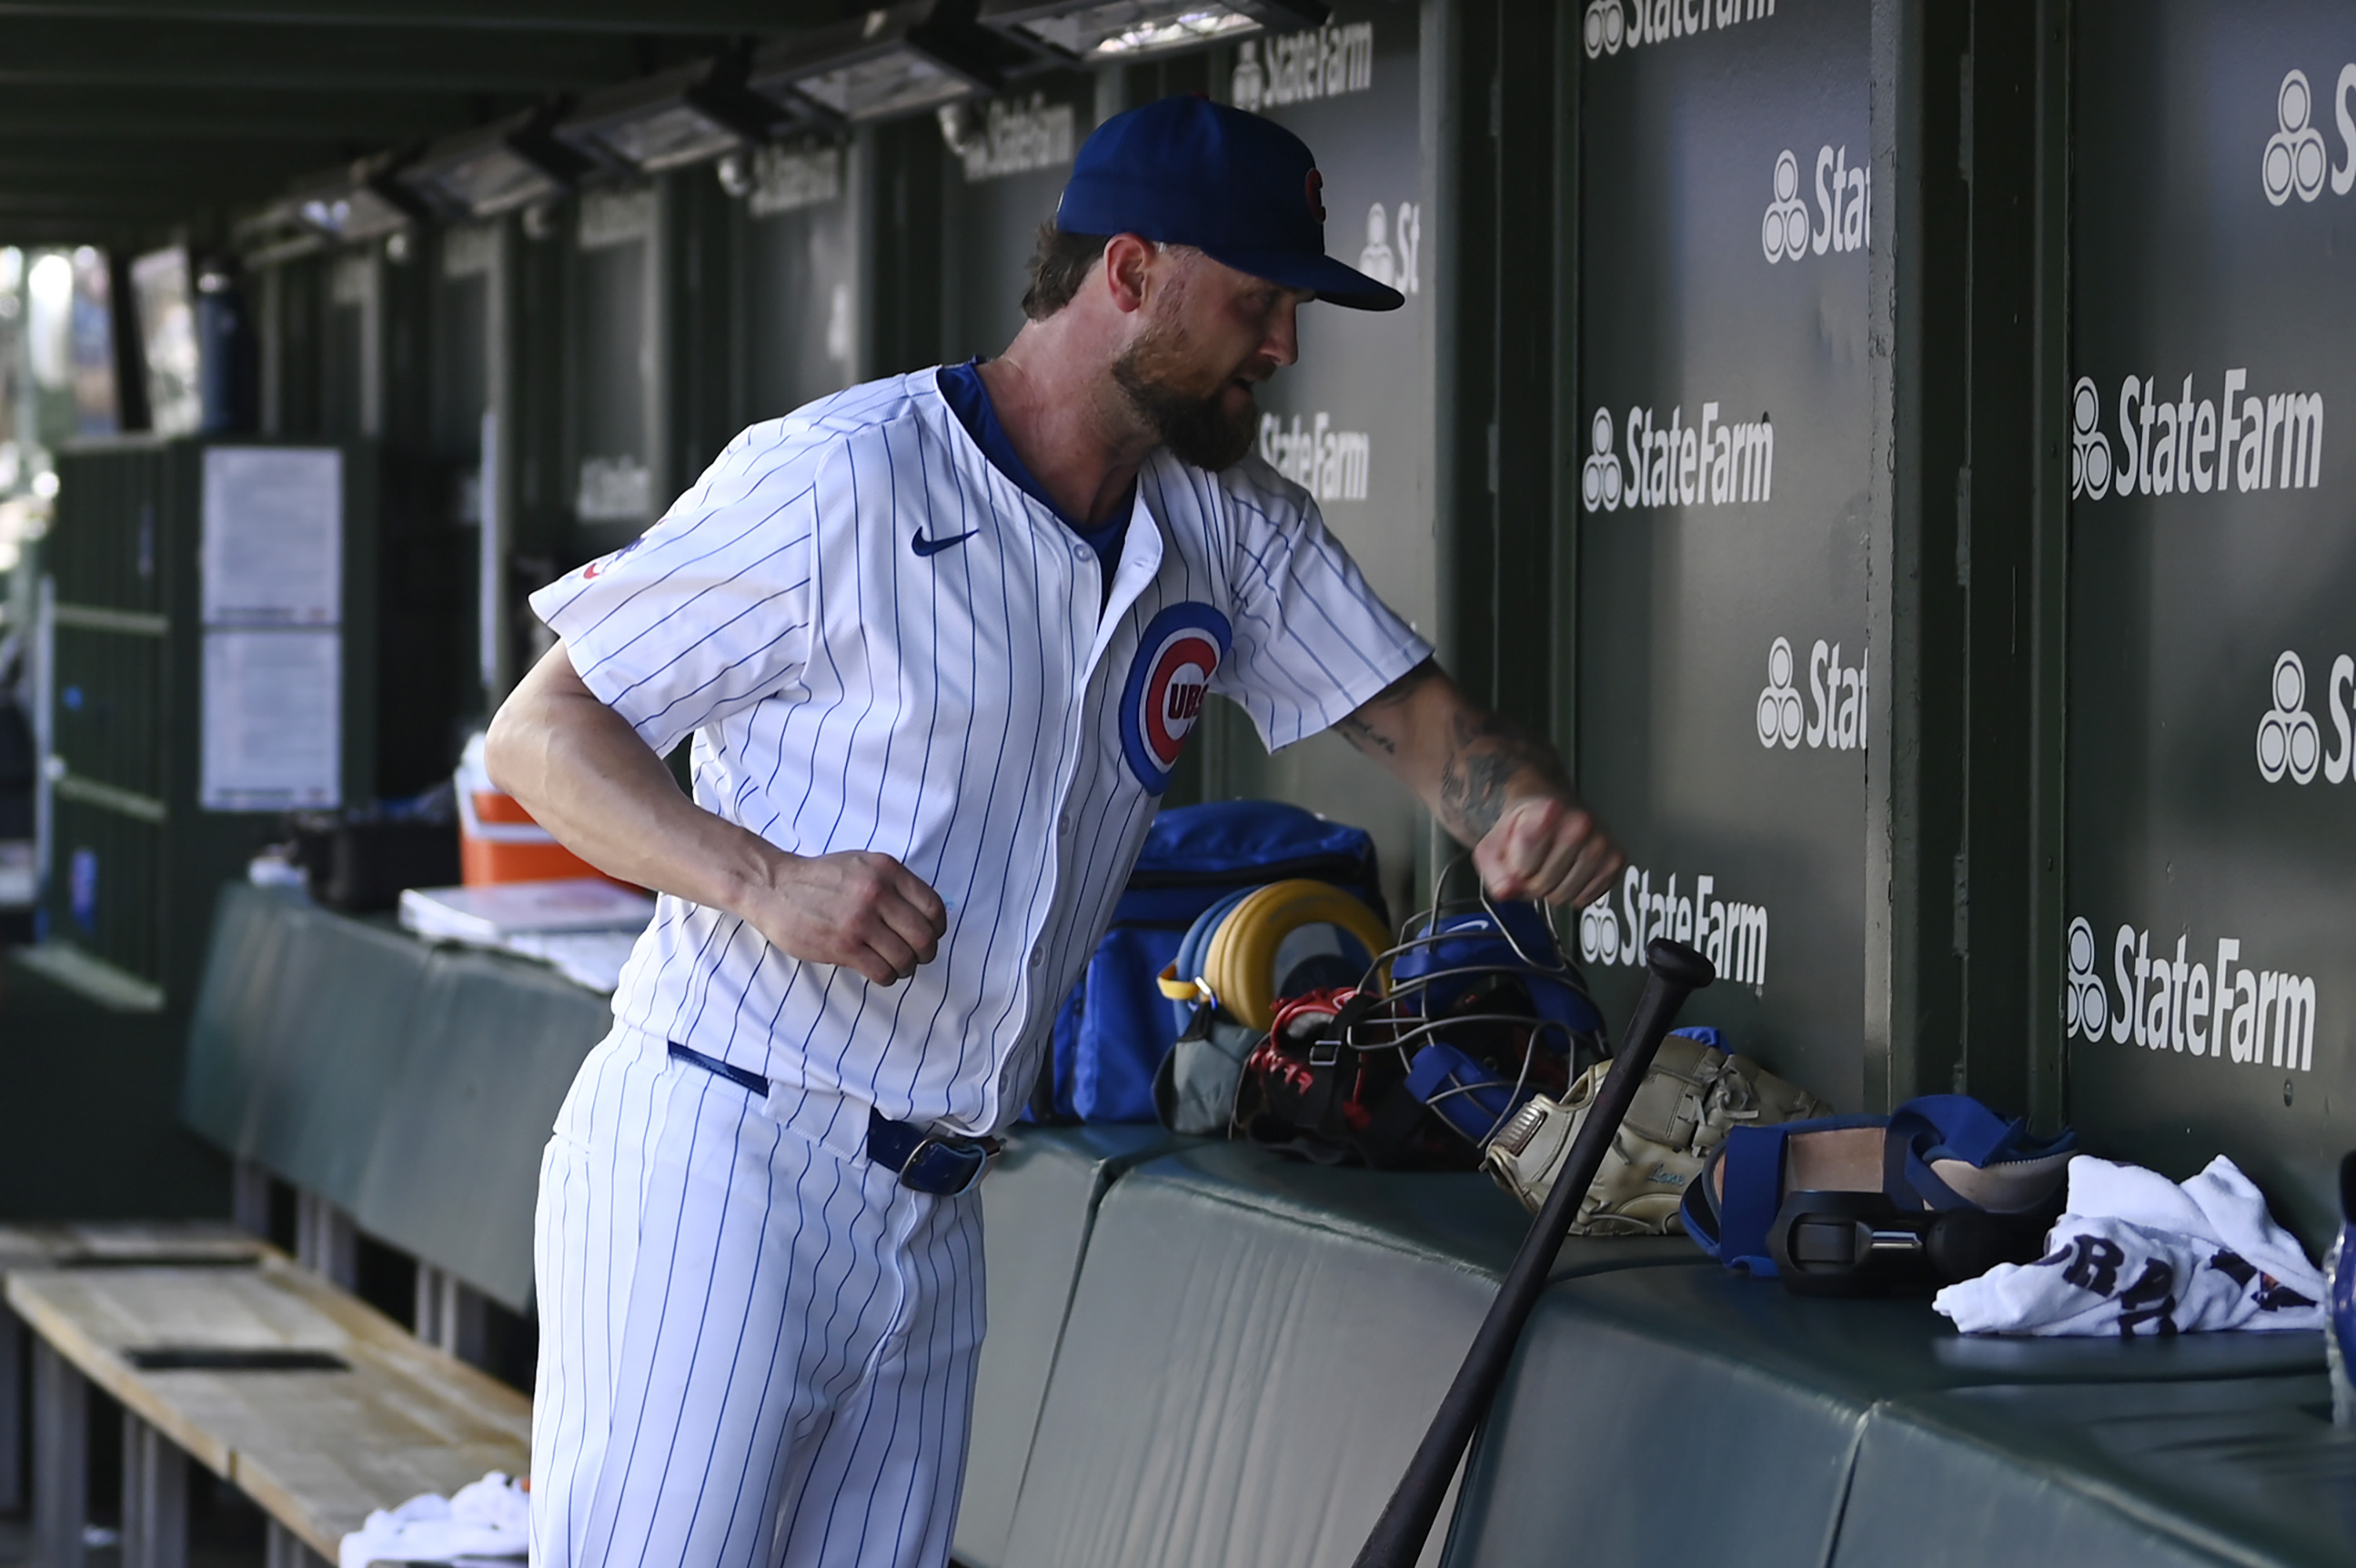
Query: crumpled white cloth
[[2138, 1255], [487, 1518]]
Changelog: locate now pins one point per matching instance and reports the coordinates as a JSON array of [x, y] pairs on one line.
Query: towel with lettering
[[2137, 1255]]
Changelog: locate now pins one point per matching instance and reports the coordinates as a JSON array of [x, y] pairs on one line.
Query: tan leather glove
[[1693, 1095]]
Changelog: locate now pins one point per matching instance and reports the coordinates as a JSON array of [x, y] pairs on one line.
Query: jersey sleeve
[[707, 612], [1312, 642]]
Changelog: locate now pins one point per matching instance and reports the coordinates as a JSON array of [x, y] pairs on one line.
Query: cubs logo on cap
[[1176, 657]]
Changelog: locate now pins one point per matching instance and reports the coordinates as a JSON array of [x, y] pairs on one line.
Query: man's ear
[[1128, 271]]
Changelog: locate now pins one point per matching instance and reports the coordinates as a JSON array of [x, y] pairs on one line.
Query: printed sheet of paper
[[273, 720], [273, 536]]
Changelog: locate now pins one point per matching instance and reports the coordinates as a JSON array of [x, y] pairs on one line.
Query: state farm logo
[[1844, 219], [2090, 453], [2289, 741], [1599, 477], [1732, 935], [1329, 464], [1836, 706], [2258, 1017], [2296, 161], [1297, 67], [2184, 445], [1019, 137], [1612, 26], [1714, 463]]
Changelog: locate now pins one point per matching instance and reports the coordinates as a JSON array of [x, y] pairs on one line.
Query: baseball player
[[939, 640]]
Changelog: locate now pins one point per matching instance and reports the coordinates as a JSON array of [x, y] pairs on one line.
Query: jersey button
[[1079, 552], [1038, 957], [1067, 824]]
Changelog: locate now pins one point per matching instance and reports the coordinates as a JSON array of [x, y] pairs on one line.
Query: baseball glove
[[1693, 1095]]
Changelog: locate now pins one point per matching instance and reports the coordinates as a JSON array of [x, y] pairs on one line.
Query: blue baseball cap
[[1240, 188]]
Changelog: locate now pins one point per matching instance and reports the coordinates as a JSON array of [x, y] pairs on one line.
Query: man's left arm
[[1491, 786]]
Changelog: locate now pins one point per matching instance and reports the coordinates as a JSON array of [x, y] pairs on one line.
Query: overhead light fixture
[[900, 60], [1098, 31], [687, 116], [361, 202], [496, 169]]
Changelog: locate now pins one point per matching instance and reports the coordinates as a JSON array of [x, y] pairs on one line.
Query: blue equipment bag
[[1115, 1027]]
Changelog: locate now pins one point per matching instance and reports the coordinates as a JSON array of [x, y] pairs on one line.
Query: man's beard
[[1198, 430]]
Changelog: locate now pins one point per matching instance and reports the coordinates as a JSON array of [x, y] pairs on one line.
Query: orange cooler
[[498, 839]]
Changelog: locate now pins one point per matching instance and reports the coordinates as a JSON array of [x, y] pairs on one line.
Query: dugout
[[1884, 444]]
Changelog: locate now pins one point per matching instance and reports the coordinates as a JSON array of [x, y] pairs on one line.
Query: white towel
[[2136, 1254], [489, 1518]]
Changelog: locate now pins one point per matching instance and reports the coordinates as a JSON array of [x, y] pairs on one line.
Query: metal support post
[[325, 1241], [284, 1549], [249, 1197], [155, 1499], [12, 1412], [60, 1459], [452, 1315]]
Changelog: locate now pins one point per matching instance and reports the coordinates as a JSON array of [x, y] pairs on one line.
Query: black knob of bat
[[1678, 964]]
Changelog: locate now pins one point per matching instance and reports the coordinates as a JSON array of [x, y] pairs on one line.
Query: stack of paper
[[584, 926], [593, 959]]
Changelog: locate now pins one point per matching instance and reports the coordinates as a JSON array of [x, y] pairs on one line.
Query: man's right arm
[[584, 774]]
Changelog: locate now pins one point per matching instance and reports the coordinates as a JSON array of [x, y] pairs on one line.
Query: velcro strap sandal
[[1940, 1191]]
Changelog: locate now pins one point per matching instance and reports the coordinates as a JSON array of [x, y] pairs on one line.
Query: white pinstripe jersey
[[880, 642]]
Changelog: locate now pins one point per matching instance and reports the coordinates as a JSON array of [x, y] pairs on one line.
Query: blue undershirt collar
[[961, 386]]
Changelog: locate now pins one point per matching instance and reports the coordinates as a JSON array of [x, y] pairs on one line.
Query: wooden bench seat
[[98, 1244], [311, 1403]]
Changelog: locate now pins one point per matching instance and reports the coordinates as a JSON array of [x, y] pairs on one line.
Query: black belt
[[927, 1162]]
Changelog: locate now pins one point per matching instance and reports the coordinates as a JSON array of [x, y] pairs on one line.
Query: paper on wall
[[273, 720], [273, 536]]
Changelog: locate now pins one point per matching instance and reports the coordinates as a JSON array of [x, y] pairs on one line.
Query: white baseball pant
[[752, 1352]]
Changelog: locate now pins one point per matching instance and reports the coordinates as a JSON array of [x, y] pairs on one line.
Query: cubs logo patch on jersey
[[1177, 654]]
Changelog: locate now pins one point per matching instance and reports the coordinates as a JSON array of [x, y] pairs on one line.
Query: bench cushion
[[1038, 1206], [454, 1140], [1255, 1349], [2176, 1471], [1783, 1392], [412, 1087], [301, 1024]]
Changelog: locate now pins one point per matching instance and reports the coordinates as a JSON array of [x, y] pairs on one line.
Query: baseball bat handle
[[1675, 972]]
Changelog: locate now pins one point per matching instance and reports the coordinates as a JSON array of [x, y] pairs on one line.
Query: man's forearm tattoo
[[1365, 729], [1488, 754]]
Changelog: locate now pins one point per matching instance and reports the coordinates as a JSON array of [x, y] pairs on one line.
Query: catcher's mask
[[1485, 1007]]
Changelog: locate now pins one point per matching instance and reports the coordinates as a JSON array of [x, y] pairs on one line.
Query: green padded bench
[[1782, 1430], [1253, 1351], [2229, 1470], [1039, 1206], [410, 1086]]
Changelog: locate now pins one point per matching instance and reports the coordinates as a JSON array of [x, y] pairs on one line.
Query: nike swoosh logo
[[924, 546]]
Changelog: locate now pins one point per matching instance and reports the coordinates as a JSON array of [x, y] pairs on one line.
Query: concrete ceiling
[[124, 122]]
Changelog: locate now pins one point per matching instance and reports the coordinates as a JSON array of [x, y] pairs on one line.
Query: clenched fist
[[1545, 847], [857, 910]]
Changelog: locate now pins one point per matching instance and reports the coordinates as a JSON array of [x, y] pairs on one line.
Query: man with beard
[[938, 639]]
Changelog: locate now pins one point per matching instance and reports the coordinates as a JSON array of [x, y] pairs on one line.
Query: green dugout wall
[[1759, 424], [2207, 1001]]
